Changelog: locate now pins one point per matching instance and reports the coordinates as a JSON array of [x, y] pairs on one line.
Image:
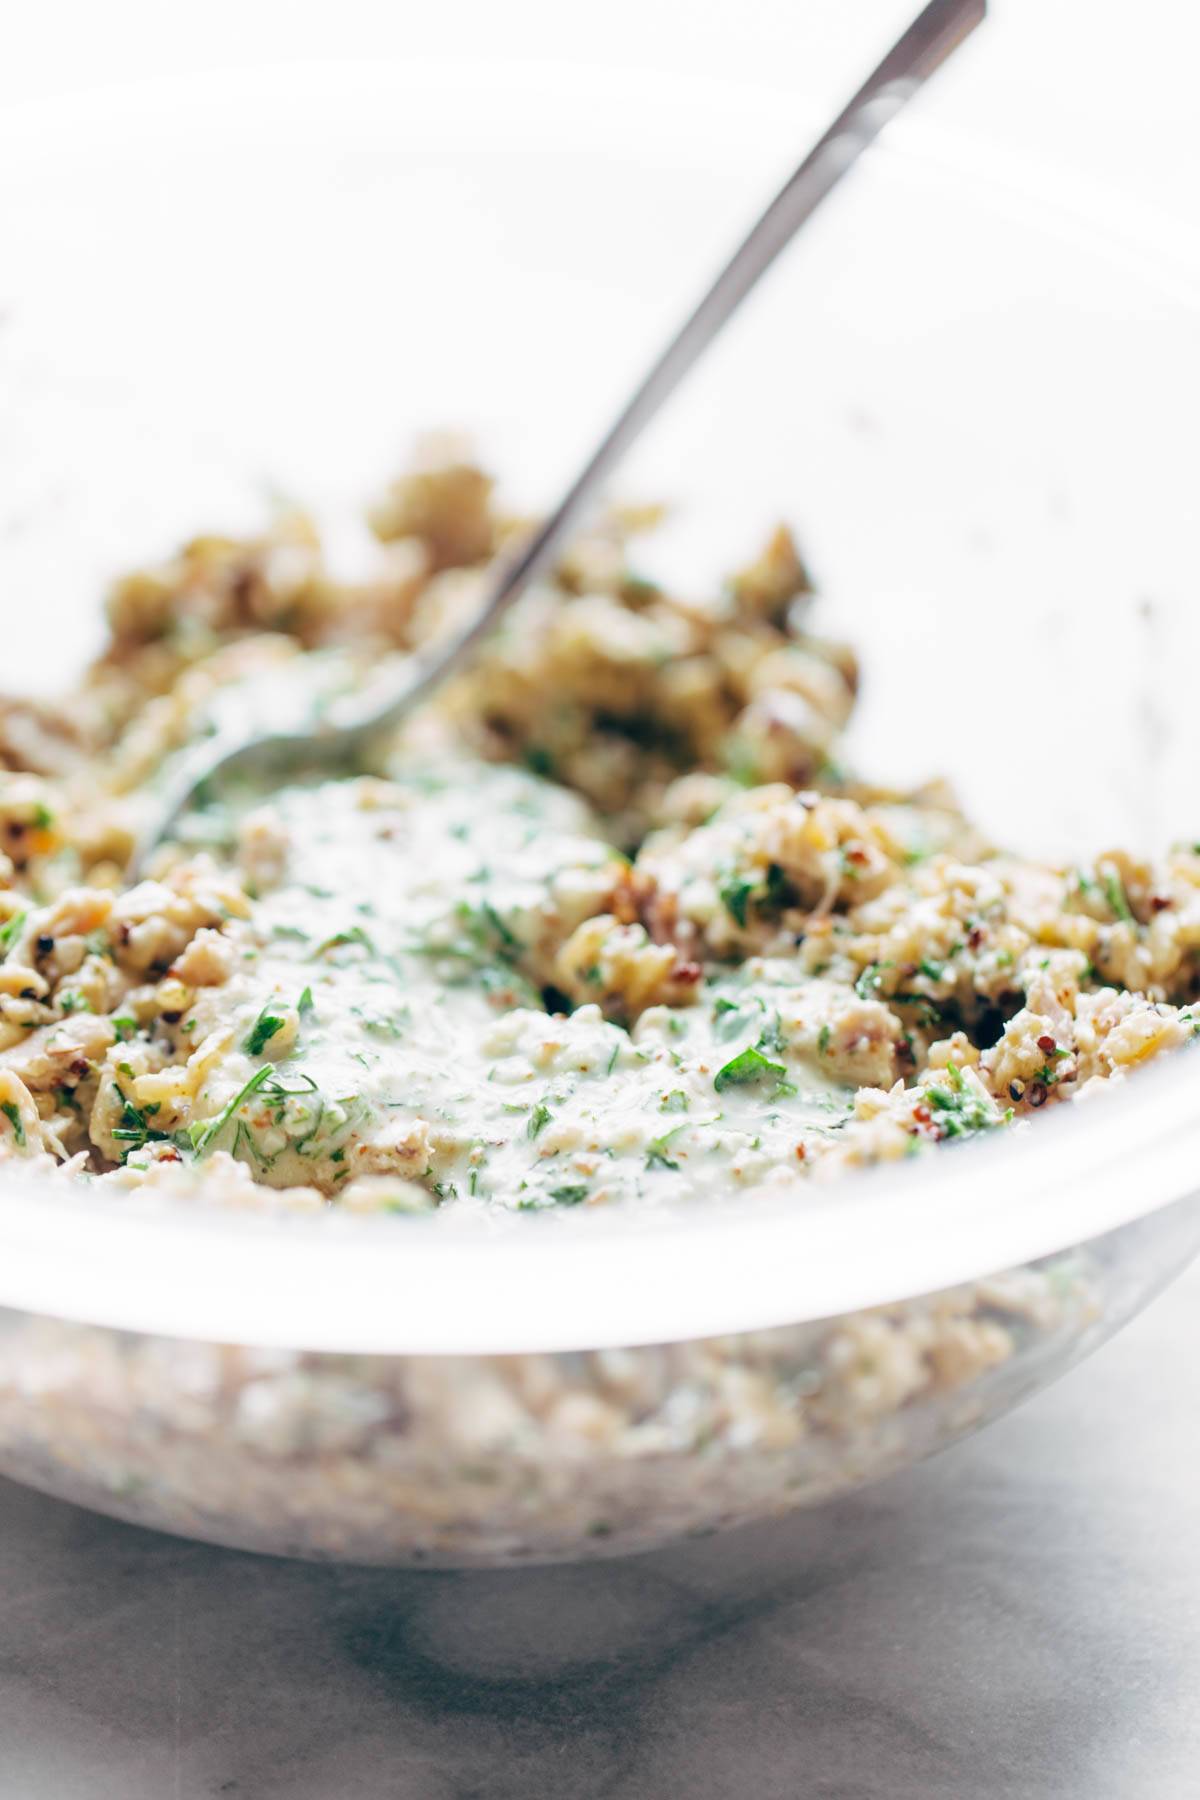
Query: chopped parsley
[[570, 1194], [735, 897], [1114, 893], [676, 1101], [539, 760], [14, 1118], [261, 1032], [962, 1110], [737, 891], [355, 935], [135, 1128], [748, 1065], [290, 931], [205, 1132], [485, 927], [871, 980], [539, 1118], [10, 931], [656, 1150]]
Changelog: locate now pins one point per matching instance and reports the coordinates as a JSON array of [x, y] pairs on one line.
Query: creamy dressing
[[383, 1019]]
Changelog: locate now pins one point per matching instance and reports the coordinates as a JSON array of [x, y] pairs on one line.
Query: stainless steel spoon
[[347, 726]]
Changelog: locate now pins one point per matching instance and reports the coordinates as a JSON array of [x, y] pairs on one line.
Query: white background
[[1105, 88]]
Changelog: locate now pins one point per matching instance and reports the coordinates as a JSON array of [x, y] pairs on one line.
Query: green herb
[[135, 1128], [749, 1065], [306, 1003], [261, 1032], [10, 931], [484, 925], [1048, 1074], [570, 1195], [932, 971], [871, 980], [656, 1151], [125, 1027], [355, 935], [539, 1118], [73, 1002], [823, 1038], [43, 818], [676, 1101], [14, 1118], [962, 1109], [731, 1017], [539, 760], [735, 897], [1114, 893], [612, 1061], [930, 1010], [778, 887], [206, 1132]]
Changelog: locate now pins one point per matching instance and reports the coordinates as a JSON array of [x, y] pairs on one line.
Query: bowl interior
[[972, 396]]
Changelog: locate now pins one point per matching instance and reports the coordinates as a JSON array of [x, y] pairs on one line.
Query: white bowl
[[973, 397]]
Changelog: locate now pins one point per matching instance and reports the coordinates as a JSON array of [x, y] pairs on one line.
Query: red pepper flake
[[1046, 1044], [1159, 903], [856, 854], [801, 1152], [922, 1115]]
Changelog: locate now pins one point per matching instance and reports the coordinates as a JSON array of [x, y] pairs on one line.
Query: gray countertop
[[1020, 1618]]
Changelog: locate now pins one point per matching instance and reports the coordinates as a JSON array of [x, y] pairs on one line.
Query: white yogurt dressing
[[383, 1019]]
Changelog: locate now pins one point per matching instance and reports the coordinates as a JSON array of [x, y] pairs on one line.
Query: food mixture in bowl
[[607, 924]]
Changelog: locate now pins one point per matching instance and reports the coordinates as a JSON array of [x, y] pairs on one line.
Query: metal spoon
[[348, 725]]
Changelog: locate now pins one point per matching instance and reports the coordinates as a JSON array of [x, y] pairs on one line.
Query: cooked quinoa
[[607, 924]]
